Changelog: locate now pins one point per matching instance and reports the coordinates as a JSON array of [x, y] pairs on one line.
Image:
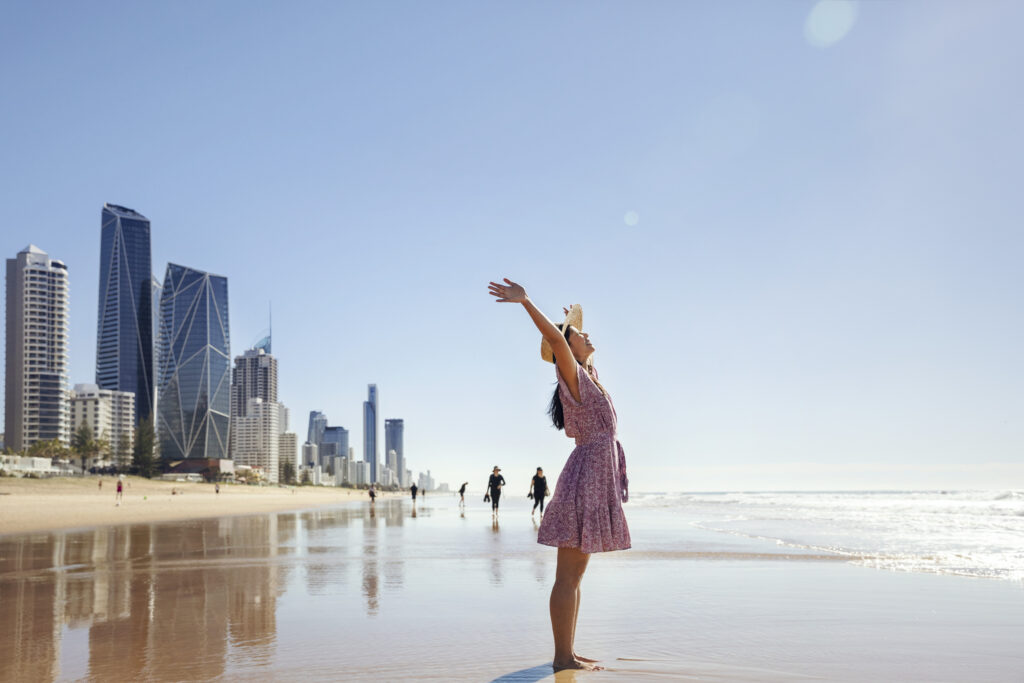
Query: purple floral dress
[[586, 510]]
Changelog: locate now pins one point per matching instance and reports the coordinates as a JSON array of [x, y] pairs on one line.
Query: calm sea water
[[968, 533], [712, 590]]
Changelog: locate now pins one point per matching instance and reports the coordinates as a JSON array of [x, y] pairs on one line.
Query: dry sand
[[30, 505]]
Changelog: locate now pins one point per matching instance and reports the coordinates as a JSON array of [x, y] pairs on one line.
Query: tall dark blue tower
[[124, 329]]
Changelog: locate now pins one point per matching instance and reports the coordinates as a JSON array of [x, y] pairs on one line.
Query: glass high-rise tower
[[194, 376], [370, 430], [124, 329], [394, 437]]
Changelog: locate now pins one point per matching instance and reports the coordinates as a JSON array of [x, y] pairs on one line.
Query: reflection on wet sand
[[170, 601]]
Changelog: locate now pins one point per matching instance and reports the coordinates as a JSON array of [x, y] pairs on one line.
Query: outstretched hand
[[510, 292]]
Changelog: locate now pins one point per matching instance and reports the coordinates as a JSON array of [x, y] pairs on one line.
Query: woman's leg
[[564, 605]]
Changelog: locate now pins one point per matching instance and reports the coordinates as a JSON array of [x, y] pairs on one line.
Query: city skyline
[[796, 246]]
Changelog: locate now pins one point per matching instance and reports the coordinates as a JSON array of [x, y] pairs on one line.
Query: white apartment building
[[288, 448], [111, 416], [257, 439], [36, 406]]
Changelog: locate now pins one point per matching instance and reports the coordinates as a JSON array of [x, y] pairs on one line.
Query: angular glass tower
[[124, 329], [194, 365]]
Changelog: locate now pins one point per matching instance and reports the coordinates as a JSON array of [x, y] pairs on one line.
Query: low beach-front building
[[109, 414], [20, 466]]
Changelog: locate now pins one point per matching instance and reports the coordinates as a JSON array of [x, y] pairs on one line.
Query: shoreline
[[30, 506]]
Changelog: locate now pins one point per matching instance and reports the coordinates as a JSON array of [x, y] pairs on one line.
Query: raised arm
[[513, 293]]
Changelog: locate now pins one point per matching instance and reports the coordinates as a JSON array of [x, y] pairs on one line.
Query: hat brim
[[574, 319]]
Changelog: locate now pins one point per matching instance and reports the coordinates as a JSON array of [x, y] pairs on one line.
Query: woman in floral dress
[[585, 514]]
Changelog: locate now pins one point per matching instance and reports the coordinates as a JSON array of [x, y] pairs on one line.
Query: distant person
[[101, 485], [216, 488], [494, 484], [585, 515], [119, 498], [373, 495], [462, 494], [414, 489], [538, 489]]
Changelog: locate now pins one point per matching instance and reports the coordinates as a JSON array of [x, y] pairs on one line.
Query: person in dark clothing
[[462, 494], [494, 485], [414, 489], [538, 489]]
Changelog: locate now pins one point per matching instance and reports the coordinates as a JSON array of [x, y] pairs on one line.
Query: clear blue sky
[[795, 232]]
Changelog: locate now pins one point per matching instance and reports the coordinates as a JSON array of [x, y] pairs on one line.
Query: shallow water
[[347, 593]]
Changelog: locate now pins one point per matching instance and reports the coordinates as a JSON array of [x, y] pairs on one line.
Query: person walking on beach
[[585, 514], [462, 494], [101, 485], [413, 488], [494, 484], [119, 496], [538, 489], [373, 495]]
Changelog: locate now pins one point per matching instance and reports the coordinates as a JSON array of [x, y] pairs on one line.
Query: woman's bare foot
[[576, 664]]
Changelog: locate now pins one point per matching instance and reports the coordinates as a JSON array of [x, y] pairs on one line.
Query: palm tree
[[84, 445]]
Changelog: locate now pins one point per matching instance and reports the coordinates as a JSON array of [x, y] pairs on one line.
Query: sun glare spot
[[631, 218], [829, 21]]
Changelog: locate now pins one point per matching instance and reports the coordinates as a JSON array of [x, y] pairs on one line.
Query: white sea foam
[[970, 533]]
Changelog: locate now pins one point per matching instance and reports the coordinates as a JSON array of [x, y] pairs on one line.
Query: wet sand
[[33, 505], [436, 594]]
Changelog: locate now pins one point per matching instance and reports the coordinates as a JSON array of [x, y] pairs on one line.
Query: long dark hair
[[555, 409]]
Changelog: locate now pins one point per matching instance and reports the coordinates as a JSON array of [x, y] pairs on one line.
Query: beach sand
[[346, 592], [33, 505]]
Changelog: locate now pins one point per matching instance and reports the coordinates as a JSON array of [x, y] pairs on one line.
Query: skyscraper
[[317, 425], [334, 443], [254, 376], [256, 416], [394, 432], [36, 406], [194, 377], [124, 328], [370, 431], [255, 438]]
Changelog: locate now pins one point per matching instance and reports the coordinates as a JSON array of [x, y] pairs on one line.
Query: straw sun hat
[[574, 318]]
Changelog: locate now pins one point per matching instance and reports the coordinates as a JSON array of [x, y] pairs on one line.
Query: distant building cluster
[[164, 364], [328, 459]]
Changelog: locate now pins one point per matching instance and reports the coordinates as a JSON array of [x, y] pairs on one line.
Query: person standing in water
[[119, 497], [414, 489], [585, 515], [494, 484], [373, 495], [462, 494], [538, 489]]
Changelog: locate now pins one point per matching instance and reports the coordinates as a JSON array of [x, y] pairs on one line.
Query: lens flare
[[631, 218], [829, 21]]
